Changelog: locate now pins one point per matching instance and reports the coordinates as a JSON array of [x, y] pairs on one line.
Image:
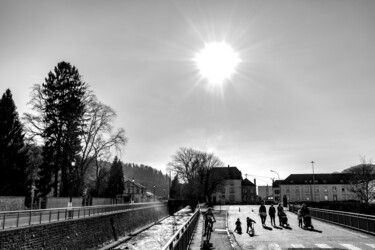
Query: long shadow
[[252, 235], [267, 227], [277, 227], [287, 227], [312, 230]]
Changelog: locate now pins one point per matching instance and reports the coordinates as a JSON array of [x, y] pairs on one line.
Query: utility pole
[[313, 186]]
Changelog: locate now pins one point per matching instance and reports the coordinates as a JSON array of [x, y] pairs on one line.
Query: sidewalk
[[220, 239]]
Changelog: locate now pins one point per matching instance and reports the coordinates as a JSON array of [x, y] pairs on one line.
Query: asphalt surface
[[324, 235]]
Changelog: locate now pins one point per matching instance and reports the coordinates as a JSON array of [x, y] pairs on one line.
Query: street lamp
[[154, 193], [164, 194], [279, 184], [71, 181], [313, 186], [133, 190]]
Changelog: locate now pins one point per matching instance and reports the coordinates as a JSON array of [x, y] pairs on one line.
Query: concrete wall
[[86, 233], [12, 203]]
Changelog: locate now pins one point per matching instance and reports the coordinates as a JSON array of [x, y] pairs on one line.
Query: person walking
[[299, 218], [272, 213], [280, 211], [263, 213]]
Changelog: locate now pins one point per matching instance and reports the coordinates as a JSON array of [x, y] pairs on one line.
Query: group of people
[[303, 212], [272, 213]]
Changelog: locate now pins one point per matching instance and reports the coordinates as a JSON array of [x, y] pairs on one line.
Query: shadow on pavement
[[288, 227], [313, 230], [277, 227], [267, 227]]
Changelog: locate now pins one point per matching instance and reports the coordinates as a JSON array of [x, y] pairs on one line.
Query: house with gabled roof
[[134, 191], [229, 191], [249, 194], [317, 187]]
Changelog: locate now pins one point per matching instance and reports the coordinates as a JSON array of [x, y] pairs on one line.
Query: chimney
[[255, 181], [228, 166]]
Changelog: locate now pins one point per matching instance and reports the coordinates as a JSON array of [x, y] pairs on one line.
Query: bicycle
[[209, 230]]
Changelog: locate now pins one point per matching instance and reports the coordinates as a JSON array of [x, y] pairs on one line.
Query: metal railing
[[361, 222], [181, 239], [24, 218]]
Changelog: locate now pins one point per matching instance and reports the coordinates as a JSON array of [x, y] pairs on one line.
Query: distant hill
[[148, 177]]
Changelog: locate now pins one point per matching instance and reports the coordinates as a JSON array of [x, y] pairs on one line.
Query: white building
[[327, 187], [230, 189]]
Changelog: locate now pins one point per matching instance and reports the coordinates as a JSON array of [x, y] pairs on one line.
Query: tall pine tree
[[13, 153], [62, 98], [116, 180]]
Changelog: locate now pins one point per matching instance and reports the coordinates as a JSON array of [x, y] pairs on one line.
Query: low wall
[[12, 203], [86, 233]]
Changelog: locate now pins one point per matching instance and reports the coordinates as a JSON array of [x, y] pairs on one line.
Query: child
[[250, 225], [238, 226], [299, 218]]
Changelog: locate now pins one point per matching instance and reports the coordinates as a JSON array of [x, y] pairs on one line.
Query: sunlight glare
[[217, 62]]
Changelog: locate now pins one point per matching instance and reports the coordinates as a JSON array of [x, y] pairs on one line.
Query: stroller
[[307, 222], [283, 219]]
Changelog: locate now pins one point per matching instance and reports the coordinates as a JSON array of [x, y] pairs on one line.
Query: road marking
[[350, 246], [323, 246], [297, 246], [371, 245], [274, 247]]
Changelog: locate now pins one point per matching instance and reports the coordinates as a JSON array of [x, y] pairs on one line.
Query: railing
[[181, 239], [34, 217], [361, 222]]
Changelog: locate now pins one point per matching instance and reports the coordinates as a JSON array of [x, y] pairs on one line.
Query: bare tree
[[194, 168], [98, 137], [363, 180]]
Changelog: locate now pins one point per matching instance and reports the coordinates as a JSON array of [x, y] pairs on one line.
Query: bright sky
[[303, 91]]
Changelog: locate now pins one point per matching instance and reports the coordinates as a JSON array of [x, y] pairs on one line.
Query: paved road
[[326, 236]]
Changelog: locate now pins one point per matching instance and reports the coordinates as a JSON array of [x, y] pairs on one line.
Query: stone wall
[[12, 203], [86, 233]]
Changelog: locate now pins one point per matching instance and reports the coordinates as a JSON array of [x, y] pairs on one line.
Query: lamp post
[[70, 203], [154, 193], [279, 184], [164, 194], [313, 186], [133, 191]]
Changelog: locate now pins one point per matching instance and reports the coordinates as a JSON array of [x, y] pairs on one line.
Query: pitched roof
[[319, 179], [227, 173], [276, 184], [136, 183], [246, 182]]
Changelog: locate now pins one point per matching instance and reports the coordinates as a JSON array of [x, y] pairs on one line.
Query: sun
[[217, 62]]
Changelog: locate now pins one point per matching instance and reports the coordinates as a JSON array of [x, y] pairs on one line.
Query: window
[[343, 197], [334, 189], [343, 189], [298, 197], [277, 191], [291, 181], [325, 188], [307, 197], [307, 189], [244, 191], [324, 181], [231, 198], [326, 197], [335, 197], [231, 190], [316, 189], [297, 189], [317, 197], [287, 189], [341, 181], [288, 197]]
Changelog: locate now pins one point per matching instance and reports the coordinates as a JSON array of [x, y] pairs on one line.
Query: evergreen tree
[[116, 180], [13, 153], [175, 188], [62, 99]]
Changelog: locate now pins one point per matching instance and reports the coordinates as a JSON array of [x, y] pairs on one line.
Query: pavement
[[324, 236], [220, 237]]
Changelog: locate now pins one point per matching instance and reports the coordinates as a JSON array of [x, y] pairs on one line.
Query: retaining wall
[[86, 233]]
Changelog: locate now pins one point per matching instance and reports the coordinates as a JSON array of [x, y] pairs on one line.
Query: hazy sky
[[304, 90]]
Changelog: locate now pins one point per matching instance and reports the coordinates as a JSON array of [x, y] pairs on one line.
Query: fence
[[361, 222], [33, 217], [181, 239]]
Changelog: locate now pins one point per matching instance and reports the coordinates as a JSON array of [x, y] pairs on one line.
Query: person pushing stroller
[[305, 213], [249, 223]]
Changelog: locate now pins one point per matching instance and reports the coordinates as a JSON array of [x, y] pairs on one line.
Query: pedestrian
[[299, 218], [280, 211], [272, 213], [249, 223], [238, 226], [263, 213]]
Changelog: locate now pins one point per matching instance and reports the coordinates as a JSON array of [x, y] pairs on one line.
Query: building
[[327, 187], [265, 193], [230, 189], [276, 191], [249, 193], [134, 191]]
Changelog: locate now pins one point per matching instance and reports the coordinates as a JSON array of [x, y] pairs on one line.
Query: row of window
[[316, 189], [317, 197]]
